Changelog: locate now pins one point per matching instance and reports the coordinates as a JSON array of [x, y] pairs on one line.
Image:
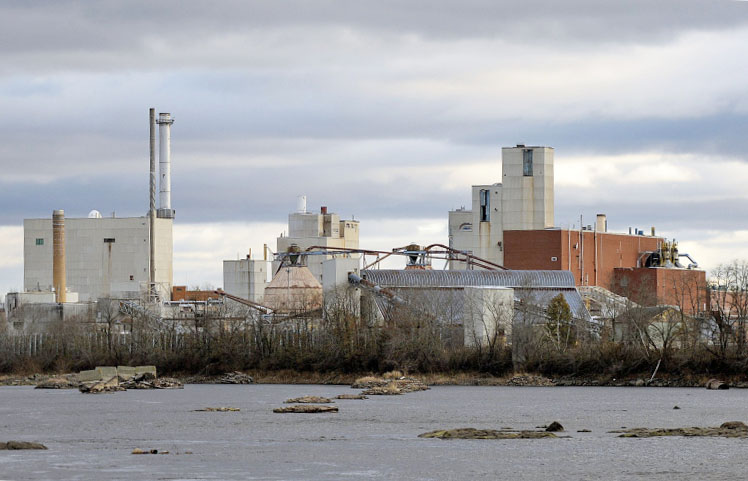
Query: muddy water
[[90, 437]]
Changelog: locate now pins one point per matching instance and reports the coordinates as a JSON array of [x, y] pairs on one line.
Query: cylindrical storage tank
[[601, 225], [58, 255], [301, 204]]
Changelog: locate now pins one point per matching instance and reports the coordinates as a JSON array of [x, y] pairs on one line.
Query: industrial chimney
[[601, 223], [58, 254], [164, 165]]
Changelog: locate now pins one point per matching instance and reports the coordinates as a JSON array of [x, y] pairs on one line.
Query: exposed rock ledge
[[730, 429], [472, 433], [306, 408]]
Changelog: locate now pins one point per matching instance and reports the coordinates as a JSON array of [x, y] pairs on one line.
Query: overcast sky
[[387, 111]]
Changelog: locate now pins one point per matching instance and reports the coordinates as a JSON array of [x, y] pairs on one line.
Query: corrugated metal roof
[[435, 278], [536, 288]]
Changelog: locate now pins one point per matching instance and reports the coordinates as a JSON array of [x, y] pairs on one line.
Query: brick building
[[649, 286], [591, 256]]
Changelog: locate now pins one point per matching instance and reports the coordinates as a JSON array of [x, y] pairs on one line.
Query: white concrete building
[[104, 256], [307, 229], [522, 201], [246, 278]]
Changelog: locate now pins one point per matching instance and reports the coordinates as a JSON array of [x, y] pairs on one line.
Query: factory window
[[39, 242], [109, 240], [527, 163], [485, 205]]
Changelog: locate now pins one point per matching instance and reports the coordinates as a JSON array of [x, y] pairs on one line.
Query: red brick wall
[[532, 249], [575, 251], [676, 287]]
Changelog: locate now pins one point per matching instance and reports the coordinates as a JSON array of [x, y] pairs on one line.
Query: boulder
[[14, 445], [306, 408], [554, 427], [734, 425], [111, 385], [308, 400], [716, 384]]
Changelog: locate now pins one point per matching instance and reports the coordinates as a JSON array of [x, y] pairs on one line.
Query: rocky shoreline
[[70, 380]]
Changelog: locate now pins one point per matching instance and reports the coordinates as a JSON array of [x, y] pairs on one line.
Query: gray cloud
[[381, 109]]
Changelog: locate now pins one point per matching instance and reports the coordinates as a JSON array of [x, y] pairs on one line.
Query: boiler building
[[108, 257]]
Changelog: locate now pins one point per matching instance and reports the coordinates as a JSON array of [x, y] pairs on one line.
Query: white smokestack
[[164, 165], [301, 204]]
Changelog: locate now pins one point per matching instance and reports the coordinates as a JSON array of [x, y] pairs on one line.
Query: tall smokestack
[[152, 207], [58, 254], [164, 165]]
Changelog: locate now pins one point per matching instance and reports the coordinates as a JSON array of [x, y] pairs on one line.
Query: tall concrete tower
[[527, 193], [164, 166]]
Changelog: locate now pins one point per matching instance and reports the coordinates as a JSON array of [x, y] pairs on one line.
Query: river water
[[90, 437]]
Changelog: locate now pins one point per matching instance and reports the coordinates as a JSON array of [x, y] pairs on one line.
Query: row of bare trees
[[429, 334]]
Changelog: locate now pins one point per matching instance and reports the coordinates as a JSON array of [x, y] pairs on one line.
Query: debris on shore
[[17, 445], [472, 433], [235, 377], [121, 378], [730, 429], [306, 408], [308, 400], [218, 410], [717, 384]]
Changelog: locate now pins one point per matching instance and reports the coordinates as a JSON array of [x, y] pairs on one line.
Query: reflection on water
[[91, 436]]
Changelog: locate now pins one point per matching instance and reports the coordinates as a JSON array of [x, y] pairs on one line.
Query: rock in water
[[734, 425], [308, 400], [351, 396], [472, 433], [716, 384], [217, 410], [306, 408], [554, 427], [14, 445]]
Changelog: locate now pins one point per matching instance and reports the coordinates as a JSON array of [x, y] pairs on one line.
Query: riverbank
[[433, 379]]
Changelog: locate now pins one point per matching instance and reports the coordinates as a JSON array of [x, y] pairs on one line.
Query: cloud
[[388, 111]]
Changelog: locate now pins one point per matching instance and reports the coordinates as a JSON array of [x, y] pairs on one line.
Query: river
[[90, 437]]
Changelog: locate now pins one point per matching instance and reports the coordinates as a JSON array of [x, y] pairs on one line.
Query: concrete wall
[[335, 272], [105, 257], [326, 230], [527, 200], [460, 234], [246, 278], [520, 202]]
